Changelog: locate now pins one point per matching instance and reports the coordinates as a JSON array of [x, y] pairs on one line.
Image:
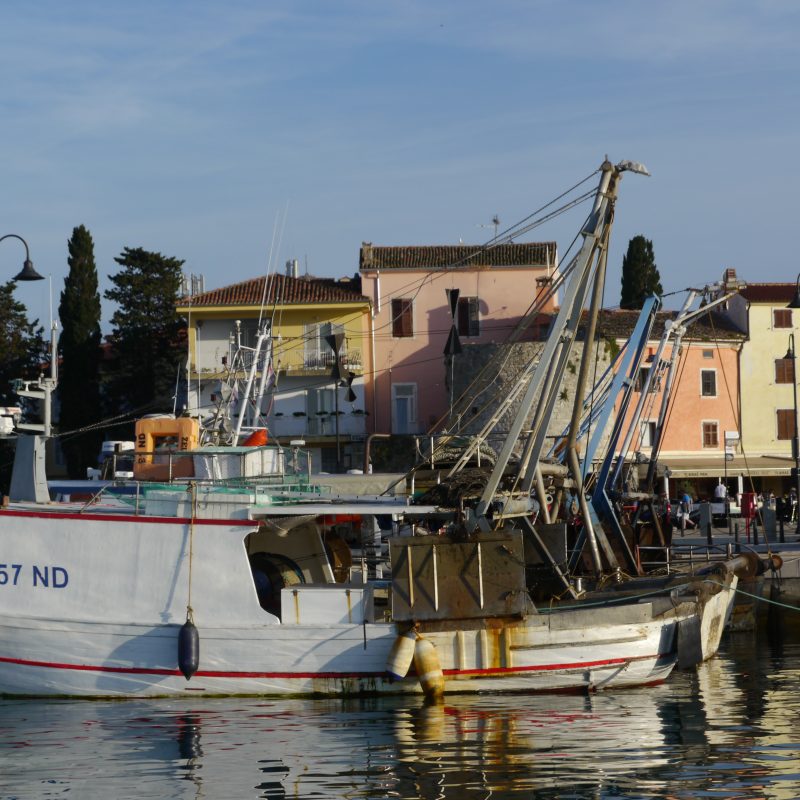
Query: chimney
[[366, 255], [292, 268]]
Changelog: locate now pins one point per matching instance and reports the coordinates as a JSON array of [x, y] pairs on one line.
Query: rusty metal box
[[435, 577]]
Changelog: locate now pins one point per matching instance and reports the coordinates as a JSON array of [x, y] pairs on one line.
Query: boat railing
[[647, 557], [694, 555], [221, 463]]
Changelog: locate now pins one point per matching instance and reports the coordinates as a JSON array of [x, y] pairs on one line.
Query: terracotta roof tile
[[281, 289], [440, 257], [780, 293], [619, 324]]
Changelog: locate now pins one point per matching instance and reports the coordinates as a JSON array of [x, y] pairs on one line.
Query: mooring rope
[[189, 609], [642, 595]]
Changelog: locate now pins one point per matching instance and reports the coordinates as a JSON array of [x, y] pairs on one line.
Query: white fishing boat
[[93, 600], [211, 576]]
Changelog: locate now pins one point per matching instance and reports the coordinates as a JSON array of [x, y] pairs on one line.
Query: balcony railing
[[351, 359]]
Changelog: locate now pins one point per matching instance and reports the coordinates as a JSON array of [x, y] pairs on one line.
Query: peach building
[[411, 318], [704, 410]]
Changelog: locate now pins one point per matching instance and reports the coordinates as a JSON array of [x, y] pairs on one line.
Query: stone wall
[[500, 365]]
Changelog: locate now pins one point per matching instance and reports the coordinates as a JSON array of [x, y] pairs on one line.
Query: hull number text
[[35, 575]]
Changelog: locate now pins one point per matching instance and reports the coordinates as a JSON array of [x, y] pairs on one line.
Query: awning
[[715, 467]]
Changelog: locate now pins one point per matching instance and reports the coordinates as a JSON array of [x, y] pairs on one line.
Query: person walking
[[686, 508]]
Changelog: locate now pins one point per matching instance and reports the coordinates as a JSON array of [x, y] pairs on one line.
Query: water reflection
[[725, 730]]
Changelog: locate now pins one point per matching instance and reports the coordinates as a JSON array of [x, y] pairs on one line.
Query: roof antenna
[[494, 224]]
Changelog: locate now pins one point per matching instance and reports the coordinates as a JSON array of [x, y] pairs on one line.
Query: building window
[[317, 353], [320, 411], [710, 434], [641, 380], [785, 423], [781, 317], [402, 319], [467, 317], [784, 370], [404, 407], [648, 434], [708, 354], [708, 382]]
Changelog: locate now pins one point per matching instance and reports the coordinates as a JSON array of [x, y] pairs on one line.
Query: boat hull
[[93, 660], [91, 605]]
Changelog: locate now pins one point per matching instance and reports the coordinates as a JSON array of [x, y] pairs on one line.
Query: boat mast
[[543, 388]]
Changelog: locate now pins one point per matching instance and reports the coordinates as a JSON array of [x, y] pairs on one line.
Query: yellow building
[[303, 398], [767, 382]]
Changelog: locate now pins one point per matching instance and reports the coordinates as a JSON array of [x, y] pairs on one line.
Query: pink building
[[411, 318]]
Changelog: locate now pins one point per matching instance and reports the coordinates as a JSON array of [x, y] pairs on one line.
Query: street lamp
[[27, 273], [790, 355], [796, 299]]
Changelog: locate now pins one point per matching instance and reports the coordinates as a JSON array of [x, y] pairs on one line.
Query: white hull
[[105, 623], [95, 660]]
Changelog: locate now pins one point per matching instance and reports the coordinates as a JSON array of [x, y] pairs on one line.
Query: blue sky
[[234, 135]]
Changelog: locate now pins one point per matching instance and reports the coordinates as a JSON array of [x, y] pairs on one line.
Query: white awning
[[715, 467]]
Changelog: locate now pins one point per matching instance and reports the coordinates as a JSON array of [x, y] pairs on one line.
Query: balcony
[[298, 424], [318, 362]]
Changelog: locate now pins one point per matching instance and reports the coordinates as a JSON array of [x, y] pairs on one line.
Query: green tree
[[22, 355], [79, 346], [640, 278], [148, 336]]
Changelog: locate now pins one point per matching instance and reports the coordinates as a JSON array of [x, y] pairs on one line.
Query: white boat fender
[[429, 669], [401, 655], [188, 649]]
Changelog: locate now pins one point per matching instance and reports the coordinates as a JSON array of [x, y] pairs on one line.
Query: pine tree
[[640, 278], [79, 346], [148, 335]]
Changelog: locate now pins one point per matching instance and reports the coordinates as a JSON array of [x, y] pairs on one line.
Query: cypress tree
[[79, 346], [148, 336], [640, 278]]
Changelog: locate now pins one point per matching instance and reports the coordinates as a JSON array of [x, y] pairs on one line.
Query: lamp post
[[790, 355], [27, 273], [795, 303], [43, 388]]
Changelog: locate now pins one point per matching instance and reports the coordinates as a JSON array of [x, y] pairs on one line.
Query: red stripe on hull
[[103, 517], [609, 662]]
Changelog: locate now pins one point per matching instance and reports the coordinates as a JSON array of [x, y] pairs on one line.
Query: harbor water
[[728, 729]]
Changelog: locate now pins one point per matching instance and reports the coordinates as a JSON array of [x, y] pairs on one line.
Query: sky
[[238, 135]]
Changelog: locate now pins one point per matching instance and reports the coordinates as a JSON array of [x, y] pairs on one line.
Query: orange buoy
[[256, 438]]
